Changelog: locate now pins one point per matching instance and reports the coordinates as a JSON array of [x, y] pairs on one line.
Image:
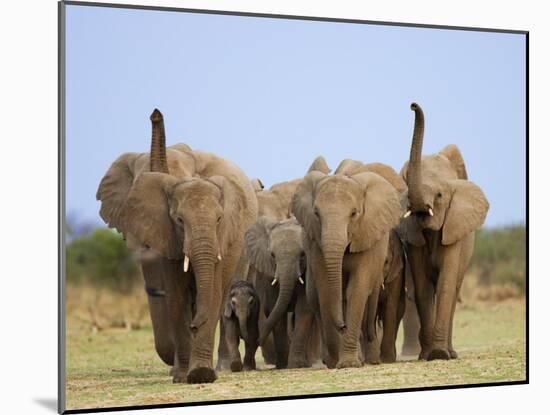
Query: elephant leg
[[452, 351], [424, 297], [313, 350], [446, 294], [156, 298], [280, 336], [225, 358], [356, 301], [250, 355], [232, 341], [393, 313], [178, 304], [411, 321], [304, 321], [235, 266], [370, 335]]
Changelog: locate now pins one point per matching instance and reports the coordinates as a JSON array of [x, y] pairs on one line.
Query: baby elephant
[[240, 318]]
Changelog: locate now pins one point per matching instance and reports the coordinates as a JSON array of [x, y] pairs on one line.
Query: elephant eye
[[219, 219], [272, 255], [439, 194], [354, 213], [179, 220], [316, 212]]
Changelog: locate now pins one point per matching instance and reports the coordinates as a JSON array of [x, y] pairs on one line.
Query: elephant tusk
[[407, 214], [274, 281], [186, 264], [383, 287], [301, 280], [430, 211], [219, 257]]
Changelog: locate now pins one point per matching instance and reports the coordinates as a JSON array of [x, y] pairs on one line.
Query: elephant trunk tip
[[197, 322], [414, 106], [156, 116]]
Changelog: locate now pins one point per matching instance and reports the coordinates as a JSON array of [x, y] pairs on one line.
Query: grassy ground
[[118, 367]]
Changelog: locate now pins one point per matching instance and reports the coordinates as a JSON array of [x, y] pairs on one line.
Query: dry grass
[[117, 366]]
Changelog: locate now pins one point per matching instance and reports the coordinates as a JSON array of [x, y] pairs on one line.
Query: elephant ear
[[319, 164], [302, 204], [466, 212], [348, 167], [455, 157], [146, 215], [257, 245], [408, 228], [380, 211], [233, 204], [114, 188]]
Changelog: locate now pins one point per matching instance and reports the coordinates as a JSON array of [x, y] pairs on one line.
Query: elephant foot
[[281, 365], [372, 361], [249, 366], [178, 376], [440, 354], [223, 364], [424, 353], [410, 350], [236, 366], [453, 354], [298, 363], [388, 358], [330, 363], [201, 374], [345, 363]]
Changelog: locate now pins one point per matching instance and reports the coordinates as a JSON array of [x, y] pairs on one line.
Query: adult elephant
[[274, 204], [389, 307], [191, 209], [275, 249], [347, 220], [444, 209]]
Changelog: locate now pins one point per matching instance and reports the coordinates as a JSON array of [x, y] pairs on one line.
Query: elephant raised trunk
[[203, 260], [158, 144], [414, 174], [287, 283]]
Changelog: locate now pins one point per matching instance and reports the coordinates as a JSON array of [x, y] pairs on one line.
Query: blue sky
[[272, 94]]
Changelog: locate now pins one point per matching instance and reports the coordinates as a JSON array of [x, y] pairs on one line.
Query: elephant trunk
[[333, 251], [286, 289], [243, 325], [203, 260], [158, 144], [414, 174]]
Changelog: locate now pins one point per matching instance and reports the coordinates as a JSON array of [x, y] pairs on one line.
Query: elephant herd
[[315, 269]]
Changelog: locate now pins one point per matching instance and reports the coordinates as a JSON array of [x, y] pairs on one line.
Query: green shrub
[[101, 258], [500, 255]]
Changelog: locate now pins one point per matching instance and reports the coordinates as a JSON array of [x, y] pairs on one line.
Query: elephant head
[[344, 213], [242, 302], [275, 248], [180, 218], [440, 196]]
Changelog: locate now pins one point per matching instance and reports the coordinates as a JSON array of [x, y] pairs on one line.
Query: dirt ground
[[119, 367]]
